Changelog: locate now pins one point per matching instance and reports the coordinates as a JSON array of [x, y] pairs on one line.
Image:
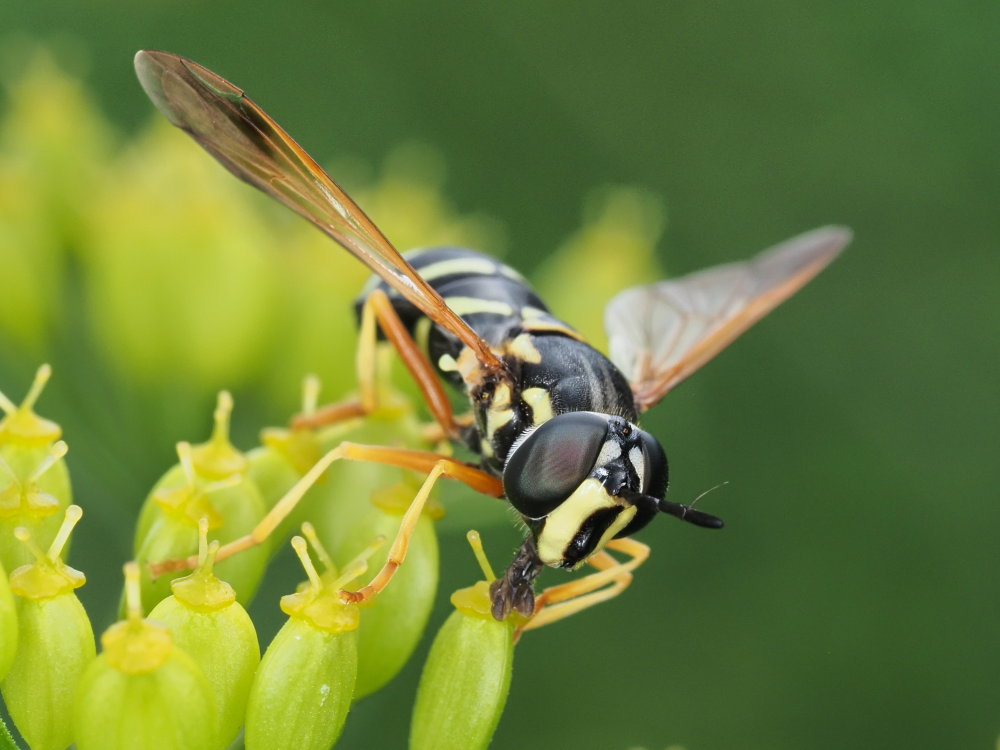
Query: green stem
[[6, 741]]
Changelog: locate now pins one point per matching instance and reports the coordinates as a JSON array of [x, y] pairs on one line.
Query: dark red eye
[[553, 461]]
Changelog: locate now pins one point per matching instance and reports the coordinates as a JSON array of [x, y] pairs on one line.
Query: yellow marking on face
[[473, 305], [562, 524], [447, 363], [523, 347], [486, 448], [471, 266], [540, 402], [623, 520]]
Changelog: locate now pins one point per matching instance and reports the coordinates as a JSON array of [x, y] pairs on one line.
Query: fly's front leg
[[377, 310], [612, 577], [515, 592]]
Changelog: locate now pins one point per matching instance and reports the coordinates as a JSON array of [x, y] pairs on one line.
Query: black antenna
[[677, 510]]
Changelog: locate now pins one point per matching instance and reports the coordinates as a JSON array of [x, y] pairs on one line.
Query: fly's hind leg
[[377, 310], [612, 577]]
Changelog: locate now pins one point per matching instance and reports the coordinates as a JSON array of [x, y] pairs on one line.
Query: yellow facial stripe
[[564, 522]]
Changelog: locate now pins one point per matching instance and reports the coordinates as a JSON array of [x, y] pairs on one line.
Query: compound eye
[[553, 461], [655, 483]]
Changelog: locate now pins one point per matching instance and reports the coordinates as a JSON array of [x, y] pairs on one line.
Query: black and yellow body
[[594, 464], [554, 420]]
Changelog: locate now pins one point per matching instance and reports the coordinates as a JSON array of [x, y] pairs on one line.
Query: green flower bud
[[466, 677], [304, 685], [34, 482], [143, 692], [211, 627], [8, 624], [337, 512], [56, 643], [285, 456], [210, 482], [395, 620]]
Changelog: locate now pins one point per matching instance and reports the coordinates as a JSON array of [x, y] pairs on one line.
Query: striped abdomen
[[554, 369]]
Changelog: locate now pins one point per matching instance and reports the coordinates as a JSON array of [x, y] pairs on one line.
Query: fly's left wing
[[247, 142], [660, 333]]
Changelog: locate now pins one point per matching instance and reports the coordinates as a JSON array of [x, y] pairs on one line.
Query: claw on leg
[[514, 591], [612, 577]]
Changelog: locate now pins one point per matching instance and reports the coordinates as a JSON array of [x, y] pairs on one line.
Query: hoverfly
[[553, 420]]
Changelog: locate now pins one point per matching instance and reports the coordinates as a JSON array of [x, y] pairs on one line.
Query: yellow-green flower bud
[[395, 620], [34, 482], [303, 688], [55, 643], [8, 624], [211, 482], [143, 692], [339, 509], [466, 677], [283, 458], [211, 627]]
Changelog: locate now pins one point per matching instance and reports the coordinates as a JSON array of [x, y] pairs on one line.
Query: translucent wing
[[242, 137], [660, 333]]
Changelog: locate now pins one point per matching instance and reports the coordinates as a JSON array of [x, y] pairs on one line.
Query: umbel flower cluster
[[79, 201], [189, 674]]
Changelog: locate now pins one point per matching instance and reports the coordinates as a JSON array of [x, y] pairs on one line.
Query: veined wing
[[245, 140], [660, 333]]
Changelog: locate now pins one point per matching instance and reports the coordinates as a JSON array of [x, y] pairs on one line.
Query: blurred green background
[[852, 599]]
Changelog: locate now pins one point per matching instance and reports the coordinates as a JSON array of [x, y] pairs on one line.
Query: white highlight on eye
[[609, 452], [638, 462]]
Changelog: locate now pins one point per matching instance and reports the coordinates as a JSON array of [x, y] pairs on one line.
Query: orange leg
[[434, 464], [378, 309], [612, 577]]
